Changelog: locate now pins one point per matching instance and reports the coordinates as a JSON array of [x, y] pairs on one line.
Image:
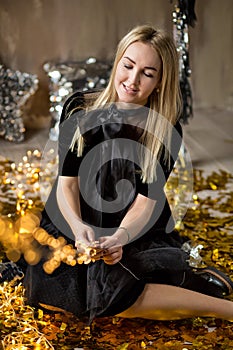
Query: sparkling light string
[[21, 183], [21, 206], [20, 317]]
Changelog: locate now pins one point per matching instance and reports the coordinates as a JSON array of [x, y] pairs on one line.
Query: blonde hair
[[165, 103]]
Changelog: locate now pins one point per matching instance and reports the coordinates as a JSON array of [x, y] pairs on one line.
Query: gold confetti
[[208, 221]]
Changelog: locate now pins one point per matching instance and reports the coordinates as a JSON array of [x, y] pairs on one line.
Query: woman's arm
[[136, 218], [69, 205]]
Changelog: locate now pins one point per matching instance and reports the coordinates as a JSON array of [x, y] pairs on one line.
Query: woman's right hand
[[84, 235], [69, 205]]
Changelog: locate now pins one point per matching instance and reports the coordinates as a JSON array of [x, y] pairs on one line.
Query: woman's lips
[[129, 90]]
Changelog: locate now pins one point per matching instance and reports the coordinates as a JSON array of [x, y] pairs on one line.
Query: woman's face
[[137, 73]]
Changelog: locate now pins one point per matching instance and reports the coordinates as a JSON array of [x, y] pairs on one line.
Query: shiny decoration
[[19, 317], [24, 328], [16, 88], [67, 77], [179, 188], [24, 185], [61, 252], [195, 259], [208, 222], [183, 16], [10, 271]]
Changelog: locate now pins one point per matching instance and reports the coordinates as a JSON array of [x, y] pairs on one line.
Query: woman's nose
[[134, 78]]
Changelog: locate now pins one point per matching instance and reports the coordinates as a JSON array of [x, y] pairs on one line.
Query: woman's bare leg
[[163, 302]]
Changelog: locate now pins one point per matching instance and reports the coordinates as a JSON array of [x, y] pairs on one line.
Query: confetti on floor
[[208, 221]]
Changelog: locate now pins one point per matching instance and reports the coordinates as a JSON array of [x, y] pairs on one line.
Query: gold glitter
[[208, 222]]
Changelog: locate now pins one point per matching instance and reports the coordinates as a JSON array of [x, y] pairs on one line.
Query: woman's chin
[[128, 99]]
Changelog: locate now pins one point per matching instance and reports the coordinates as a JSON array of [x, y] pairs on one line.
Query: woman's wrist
[[123, 235]]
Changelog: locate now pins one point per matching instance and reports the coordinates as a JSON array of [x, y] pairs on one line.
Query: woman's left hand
[[112, 249]]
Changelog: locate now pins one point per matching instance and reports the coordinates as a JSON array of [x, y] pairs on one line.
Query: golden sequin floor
[[25, 328]]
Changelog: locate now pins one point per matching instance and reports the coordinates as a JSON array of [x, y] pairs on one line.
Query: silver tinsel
[[195, 259], [16, 88], [184, 16], [67, 77]]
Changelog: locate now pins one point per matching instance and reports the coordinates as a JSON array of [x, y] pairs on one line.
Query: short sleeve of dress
[[69, 162], [164, 169], [71, 116], [70, 165]]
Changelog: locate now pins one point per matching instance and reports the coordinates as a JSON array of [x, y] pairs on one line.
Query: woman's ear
[[156, 89]]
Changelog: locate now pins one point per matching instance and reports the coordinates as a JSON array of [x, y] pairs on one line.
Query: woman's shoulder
[[79, 99], [178, 128], [177, 133]]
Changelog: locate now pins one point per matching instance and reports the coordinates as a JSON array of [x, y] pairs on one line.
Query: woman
[[130, 132]]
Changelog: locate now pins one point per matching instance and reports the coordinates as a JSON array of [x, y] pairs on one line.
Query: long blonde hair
[[165, 103]]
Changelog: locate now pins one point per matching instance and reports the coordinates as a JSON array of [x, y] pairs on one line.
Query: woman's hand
[[84, 235], [111, 249]]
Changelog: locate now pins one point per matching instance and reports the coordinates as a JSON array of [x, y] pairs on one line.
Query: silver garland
[[16, 88], [183, 16], [67, 77]]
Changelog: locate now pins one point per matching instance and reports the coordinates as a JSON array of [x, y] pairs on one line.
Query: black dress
[[110, 180]]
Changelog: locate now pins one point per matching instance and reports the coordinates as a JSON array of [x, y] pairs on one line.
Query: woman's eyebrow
[[130, 59]]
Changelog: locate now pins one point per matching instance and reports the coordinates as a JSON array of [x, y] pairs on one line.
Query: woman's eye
[[128, 66], [149, 75]]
